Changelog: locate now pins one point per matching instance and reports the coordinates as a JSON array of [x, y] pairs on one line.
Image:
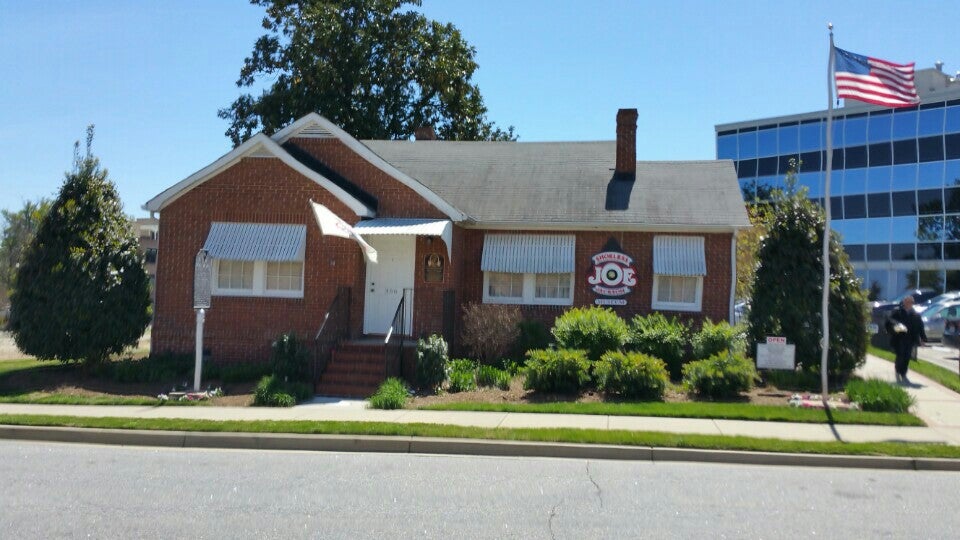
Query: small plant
[[533, 335], [724, 375], [289, 358], [879, 396], [490, 330], [431, 362], [593, 329], [271, 392], [562, 370], [661, 338], [631, 375], [392, 394], [714, 338], [492, 377], [461, 375]]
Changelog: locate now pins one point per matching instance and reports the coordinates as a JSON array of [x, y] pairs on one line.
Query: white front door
[[386, 281]]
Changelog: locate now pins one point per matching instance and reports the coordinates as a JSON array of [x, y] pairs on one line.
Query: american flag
[[873, 80]]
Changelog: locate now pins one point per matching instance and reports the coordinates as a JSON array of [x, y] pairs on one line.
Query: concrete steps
[[355, 370]]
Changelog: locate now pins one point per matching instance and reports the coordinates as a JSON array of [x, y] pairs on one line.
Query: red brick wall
[[639, 246], [257, 190], [394, 199]]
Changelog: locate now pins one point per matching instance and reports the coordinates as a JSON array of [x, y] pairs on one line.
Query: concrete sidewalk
[[937, 406]]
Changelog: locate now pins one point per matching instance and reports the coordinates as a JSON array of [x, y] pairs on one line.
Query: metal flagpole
[[825, 308]]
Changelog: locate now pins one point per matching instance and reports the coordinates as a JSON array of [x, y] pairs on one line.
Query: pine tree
[[81, 291]]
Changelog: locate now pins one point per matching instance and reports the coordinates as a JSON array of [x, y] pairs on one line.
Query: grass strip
[[726, 411], [943, 376], [41, 398], [562, 435]]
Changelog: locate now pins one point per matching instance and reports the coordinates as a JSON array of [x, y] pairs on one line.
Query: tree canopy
[[18, 230], [377, 68], [788, 285], [81, 289]]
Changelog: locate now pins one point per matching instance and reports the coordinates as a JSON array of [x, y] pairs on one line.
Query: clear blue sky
[[152, 74]]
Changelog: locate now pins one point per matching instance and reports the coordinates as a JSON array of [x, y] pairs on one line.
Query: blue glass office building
[[895, 186]]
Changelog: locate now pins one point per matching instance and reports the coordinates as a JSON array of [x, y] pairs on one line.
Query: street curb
[[471, 447]]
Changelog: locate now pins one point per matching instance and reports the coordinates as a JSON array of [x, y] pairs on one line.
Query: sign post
[[202, 276]]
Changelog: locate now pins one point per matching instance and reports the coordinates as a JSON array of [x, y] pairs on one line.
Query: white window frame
[[677, 306], [259, 283], [529, 292]]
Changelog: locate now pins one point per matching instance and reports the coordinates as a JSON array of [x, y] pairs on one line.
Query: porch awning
[[408, 226], [528, 253], [256, 241], [679, 256]]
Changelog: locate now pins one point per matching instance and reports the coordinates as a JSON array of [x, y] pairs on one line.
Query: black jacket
[[909, 318]]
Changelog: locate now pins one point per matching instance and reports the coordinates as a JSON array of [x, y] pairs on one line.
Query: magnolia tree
[[81, 291], [788, 285]]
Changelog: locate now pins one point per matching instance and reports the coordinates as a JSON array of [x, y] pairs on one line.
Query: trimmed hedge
[[631, 375], [592, 329], [661, 338], [563, 371], [724, 375], [714, 338]]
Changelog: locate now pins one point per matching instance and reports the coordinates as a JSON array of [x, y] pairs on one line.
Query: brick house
[[543, 225]]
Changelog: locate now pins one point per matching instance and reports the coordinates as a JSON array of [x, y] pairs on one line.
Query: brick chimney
[[425, 133], [626, 142]]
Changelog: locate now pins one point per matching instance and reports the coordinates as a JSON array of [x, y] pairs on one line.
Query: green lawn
[[730, 411], [8, 366], [947, 378], [582, 436]]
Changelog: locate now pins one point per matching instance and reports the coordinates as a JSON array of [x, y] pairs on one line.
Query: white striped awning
[[408, 226], [679, 256], [528, 253], [256, 241]]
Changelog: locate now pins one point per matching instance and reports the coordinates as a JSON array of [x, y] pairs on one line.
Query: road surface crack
[[595, 484], [553, 514]]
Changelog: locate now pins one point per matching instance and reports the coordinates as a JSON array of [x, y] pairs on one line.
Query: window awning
[[408, 226], [256, 241], [679, 256], [528, 253]]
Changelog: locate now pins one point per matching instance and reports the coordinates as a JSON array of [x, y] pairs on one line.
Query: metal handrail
[[333, 330], [398, 327]]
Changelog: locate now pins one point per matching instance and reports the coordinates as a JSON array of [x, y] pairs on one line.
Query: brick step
[[350, 357], [361, 347], [354, 369], [346, 390], [352, 378]]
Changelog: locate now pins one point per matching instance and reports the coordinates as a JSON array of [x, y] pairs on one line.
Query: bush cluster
[[490, 331], [662, 338], [461, 375], [631, 375], [594, 330], [563, 371], [490, 376], [164, 367], [288, 358], [724, 375], [431, 362], [272, 391], [714, 338], [392, 394], [879, 396]]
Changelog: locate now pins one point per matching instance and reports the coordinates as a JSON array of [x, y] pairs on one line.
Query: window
[[504, 285], [235, 275], [677, 293], [528, 288], [150, 255], [285, 276], [258, 278]]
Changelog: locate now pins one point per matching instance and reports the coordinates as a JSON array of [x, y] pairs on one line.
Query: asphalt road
[[57, 490]]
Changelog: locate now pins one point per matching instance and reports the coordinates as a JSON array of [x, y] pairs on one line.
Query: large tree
[[788, 285], [377, 68], [18, 230], [81, 290]]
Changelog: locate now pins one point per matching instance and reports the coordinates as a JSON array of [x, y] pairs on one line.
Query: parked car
[[951, 326], [939, 299], [883, 309], [934, 320]]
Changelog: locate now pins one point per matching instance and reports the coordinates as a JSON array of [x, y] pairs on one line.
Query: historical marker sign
[[202, 280], [776, 354]]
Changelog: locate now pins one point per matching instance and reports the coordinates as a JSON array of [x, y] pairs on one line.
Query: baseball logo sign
[[613, 274]]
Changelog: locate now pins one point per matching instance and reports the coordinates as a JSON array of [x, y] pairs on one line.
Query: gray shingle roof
[[568, 183]]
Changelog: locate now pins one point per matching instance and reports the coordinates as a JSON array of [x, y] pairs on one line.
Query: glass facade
[[895, 185]]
